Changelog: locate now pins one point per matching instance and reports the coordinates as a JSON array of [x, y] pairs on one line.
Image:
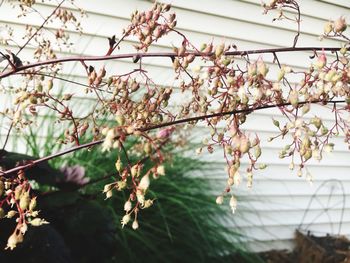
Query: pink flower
[[74, 174], [165, 133]]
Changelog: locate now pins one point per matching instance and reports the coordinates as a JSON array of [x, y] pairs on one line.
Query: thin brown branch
[[38, 29], [160, 54], [181, 121]]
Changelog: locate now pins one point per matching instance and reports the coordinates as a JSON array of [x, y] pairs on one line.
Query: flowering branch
[[217, 90], [140, 55]]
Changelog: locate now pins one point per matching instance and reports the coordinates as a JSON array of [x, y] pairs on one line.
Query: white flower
[[125, 220], [220, 200], [135, 225], [233, 203], [140, 197], [13, 240], [38, 222], [144, 183], [160, 170], [127, 206]]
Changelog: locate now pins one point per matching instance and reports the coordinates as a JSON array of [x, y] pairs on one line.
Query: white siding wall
[[270, 212]]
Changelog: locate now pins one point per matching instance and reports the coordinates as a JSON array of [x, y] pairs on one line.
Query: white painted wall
[[270, 212]]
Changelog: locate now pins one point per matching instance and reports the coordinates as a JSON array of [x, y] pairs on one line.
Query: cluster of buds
[[131, 179], [273, 4], [337, 27], [95, 79], [17, 202], [27, 3], [149, 26], [130, 106], [183, 59]]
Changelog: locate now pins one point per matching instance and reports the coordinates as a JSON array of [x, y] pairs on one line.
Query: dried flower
[[340, 25]]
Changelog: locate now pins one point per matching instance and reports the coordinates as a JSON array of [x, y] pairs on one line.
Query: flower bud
[[24, 201], [233, 203], [134, 170], [294, 98], [23, 228], [127, 206], [13, 240], [135, 225], [244, 145], [147, 203], [329, 147], [262, 166], [257, 151], [252, 70], [328, 27], [118, 165], [32, 204], [50, 84], [300, 173], [108, 187], [125, 220], [18, 192], [316, 121], [340, 25], [219, 50], [220, 200], [121, 185], [306, 108], [11, 213], [38, 222], [144, 183], [262, 68], [321, 61], [147, 148], [160, 170], [109, 194], [281, 74]]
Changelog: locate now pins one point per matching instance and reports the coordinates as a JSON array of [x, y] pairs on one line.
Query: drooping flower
[[233, 203], [125, 220], [127, 206]]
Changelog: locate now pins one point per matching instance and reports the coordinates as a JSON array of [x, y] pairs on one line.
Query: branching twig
[[160, 54], [185, 120]]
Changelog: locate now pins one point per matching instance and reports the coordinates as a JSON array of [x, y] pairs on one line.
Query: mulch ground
[[312, 249]]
